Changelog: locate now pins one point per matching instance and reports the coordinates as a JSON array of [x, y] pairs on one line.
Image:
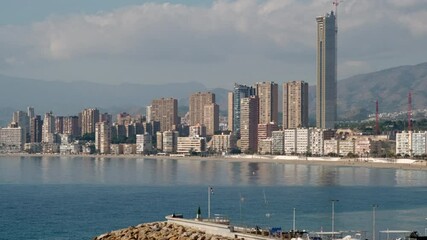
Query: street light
[[333, 216], [374, 207], [425, 230]]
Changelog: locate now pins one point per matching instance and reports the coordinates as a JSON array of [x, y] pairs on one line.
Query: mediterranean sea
[[81, 197]]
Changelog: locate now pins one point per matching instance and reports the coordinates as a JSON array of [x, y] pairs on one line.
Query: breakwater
[[159, 230]]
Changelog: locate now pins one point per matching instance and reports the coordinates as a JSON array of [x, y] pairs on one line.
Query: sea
[[67, 197]]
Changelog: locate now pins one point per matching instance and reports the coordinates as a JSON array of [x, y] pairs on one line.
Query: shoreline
[[324, 161]]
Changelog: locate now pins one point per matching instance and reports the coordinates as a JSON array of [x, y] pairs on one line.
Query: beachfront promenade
[[394, 163]]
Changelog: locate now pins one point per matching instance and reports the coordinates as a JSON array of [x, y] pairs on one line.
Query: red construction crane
[[410, 110]]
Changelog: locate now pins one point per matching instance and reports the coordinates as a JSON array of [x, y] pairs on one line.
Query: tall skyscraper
[[71, 126], [48, 128], [268, 93], [249, 124], [239, 92], [230, 96], [165, 110], [36, 129], [211, 118], [23, 121], [197, 103], [326, 92], [295, 104], [89, 117], [102, 137], [59, 124]]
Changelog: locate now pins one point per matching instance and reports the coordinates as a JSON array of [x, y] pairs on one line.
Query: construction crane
[[336, 3], [410, 110]]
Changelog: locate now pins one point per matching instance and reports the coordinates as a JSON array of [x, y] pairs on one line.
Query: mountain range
[[356, 95]]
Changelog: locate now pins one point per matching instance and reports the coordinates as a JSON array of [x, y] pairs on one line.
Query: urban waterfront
[[78, 198]]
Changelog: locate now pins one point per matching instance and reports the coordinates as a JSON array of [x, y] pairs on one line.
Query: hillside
[[357, 94]]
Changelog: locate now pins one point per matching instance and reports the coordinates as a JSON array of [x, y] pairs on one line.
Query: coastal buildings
[[265, 132], [290, 143], [36, 124], [170, 141], [71, 126], [230, 113], [143, 143], [326, 88], [239, 92], [211, 118], [278, 142], [190, 145], [295, 104], [409, 143], [12, 139], [223, 142], [267, 93], [48, 128], [197, 104], [165, 111], [249, 124], [102, 137], [88, 118], [23, 121]]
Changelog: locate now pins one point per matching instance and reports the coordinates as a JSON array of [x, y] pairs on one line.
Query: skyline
[[214, 43]]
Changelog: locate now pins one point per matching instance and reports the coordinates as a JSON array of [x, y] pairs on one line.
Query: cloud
[[250, 31]]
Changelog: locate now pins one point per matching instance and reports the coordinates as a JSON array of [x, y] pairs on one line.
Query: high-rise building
[[239, 92], [165, 110], [36, 129], [211, 118], [326, 89], [295, 104], [148, 113], [48, 128], [71, 126], [230, 110], [170, 141], [102, 137], [267, 93], [249, 124], [59, 124], [89, 117], [21, 118], [197, 103], [30, 112]]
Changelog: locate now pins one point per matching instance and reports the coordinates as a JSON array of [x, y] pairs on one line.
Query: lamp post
[[374, 207], [425, 230], [210, 191], [333, 216], [293, 225]]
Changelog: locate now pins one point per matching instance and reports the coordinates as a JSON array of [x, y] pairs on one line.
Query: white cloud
[[254, 32]]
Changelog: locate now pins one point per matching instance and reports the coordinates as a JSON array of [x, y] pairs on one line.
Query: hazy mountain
[[70, 98], [356, 95]]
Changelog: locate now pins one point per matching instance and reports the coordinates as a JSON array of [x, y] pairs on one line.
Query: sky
[[216, 43]]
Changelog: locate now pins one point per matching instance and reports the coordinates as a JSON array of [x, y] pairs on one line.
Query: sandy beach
[[407, 164]]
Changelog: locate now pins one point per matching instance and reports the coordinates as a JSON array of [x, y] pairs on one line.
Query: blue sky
[[27, 11], [213, 42]]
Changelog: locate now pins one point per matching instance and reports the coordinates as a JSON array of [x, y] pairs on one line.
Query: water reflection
[[159, 172]]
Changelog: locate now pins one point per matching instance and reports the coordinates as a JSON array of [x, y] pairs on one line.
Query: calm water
[[79, 198]]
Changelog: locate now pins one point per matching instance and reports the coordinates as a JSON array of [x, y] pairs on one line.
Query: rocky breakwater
[[158, 230]]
